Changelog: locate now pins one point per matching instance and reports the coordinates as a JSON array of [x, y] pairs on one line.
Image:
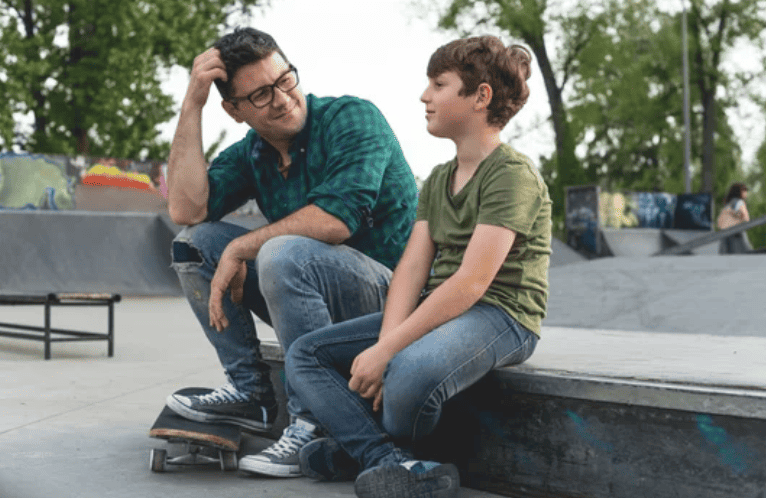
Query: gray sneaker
[[226, 404], [281, 459]]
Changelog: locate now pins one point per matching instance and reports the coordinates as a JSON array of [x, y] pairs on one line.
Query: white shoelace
[[224, 394], [293, 439]]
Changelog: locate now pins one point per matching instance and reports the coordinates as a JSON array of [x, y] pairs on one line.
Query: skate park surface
[[77, 425]]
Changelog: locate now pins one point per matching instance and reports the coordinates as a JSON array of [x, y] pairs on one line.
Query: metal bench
[[47, 334]]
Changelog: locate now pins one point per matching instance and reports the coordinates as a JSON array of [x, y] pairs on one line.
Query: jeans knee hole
[[184, 252]]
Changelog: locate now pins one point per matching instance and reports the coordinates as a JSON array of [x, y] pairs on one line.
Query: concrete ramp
[[77, 251], [718, 295], [562, 254]]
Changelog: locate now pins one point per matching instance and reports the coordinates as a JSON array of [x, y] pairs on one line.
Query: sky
[[374, 49]]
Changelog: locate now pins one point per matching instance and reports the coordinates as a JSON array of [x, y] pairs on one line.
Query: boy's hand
[[367, 374]]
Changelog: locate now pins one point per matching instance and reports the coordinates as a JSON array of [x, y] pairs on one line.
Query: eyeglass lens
[[263, 96]]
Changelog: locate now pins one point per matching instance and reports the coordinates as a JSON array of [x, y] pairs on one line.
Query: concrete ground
[[77, 425]]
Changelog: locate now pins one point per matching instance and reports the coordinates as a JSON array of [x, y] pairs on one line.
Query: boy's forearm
[[451, 299], [403, 295]]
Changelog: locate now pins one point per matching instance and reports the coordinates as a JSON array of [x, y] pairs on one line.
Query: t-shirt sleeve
[[227, 182], [423, 197], [359, 146], [511, 197]]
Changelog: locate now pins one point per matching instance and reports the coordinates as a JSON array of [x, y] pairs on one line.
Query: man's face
[[284, 117]]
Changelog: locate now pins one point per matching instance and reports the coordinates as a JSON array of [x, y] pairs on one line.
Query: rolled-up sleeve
[[228, 181], [358, 142]]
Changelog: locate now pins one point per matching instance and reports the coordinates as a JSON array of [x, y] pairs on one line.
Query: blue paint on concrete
[[733, 455], [582, 429]]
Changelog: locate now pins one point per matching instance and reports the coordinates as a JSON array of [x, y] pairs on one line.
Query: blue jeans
[[416, 384], [295, 284]]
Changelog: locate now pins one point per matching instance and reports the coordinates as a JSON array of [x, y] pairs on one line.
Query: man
[[329, 176]]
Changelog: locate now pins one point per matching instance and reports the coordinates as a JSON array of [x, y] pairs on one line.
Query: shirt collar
[[261, 149]]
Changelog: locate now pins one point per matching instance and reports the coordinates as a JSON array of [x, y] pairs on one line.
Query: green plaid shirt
[[346, 161]]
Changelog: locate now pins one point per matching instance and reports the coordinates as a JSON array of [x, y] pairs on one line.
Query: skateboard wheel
[[228, 460], [157, 459]]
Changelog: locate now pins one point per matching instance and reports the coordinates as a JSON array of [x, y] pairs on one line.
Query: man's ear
[[232, 111], [483, 96]]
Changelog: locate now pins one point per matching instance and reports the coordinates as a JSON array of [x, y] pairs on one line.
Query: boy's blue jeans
[[295, 284], [416, 383]]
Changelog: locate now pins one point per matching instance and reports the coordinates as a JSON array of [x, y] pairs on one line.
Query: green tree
[[756, 200], [627, 99], [627, 104], [715, 28], [88, 72], [532, 21]]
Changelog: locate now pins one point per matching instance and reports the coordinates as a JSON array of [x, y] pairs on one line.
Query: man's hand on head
[[208, 67]]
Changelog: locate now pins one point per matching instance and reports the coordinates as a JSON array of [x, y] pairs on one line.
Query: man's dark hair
[[242, 47], [485, 59]]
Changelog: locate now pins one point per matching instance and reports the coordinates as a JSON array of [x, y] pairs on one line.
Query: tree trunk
[[32, 53], [708, 141], [78, 50], [568, 169]]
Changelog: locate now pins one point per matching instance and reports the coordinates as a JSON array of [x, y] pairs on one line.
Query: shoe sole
[[268, 468], [186, 412], [397, 482]]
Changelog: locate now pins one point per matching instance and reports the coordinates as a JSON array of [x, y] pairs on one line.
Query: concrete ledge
[[694, 398], [692, 372], [610, 414]]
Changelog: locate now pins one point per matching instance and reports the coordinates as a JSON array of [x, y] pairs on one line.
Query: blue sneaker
[[324, 460], [409, 479]]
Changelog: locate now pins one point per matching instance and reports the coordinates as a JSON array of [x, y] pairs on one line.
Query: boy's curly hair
[[485, 59]]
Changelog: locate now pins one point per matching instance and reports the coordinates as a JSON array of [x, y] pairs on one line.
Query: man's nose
[[280, 97]]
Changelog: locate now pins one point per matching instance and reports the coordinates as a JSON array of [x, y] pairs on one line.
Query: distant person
[[329, 176], [733, 213], [468, 295]]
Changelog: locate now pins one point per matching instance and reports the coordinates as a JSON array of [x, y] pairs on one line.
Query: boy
[[467, 296]]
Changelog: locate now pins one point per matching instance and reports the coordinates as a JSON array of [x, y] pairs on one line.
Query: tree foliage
[[531, 21], [88, 72], [614, 81]]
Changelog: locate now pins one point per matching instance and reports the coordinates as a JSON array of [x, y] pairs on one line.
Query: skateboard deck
[[203, 443]]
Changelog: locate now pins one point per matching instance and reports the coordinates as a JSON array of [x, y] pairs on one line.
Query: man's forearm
[[310, 221], [187, 170]]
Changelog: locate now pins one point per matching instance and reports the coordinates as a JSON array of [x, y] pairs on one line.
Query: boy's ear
[[483, 96], [232, 111]]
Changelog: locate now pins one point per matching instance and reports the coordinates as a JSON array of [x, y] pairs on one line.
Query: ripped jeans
[[295, 284]]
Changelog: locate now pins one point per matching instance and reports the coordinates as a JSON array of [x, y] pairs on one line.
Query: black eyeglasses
[[264, 95]]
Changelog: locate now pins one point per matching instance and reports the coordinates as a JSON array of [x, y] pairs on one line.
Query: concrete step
[[610, 414]]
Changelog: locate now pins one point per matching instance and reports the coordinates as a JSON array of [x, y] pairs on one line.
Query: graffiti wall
[[582, 218], [43, 181]]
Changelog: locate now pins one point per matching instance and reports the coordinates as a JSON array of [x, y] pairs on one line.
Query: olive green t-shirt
[[507, 191]]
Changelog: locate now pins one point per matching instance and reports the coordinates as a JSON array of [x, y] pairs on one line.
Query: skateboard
[[203, 443]]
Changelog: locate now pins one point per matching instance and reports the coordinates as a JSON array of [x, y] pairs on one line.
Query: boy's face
[[448, 113], [284, 117]]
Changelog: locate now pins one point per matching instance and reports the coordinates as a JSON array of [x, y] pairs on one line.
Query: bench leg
[[111, 328], [47, 328]]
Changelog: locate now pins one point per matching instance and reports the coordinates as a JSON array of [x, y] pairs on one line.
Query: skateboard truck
[[204, 443], [195, 455]]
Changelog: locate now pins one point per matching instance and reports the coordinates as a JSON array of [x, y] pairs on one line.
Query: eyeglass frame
[[273, 87]]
